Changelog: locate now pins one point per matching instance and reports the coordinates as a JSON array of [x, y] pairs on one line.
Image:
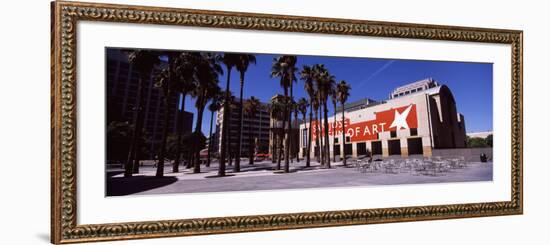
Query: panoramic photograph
[[180, 121]]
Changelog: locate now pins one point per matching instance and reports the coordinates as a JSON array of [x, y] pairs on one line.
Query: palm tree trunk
[[290, 140], [210, 139], [326, 134], [160, 165], [287, 139], [175, 167], [320, 136], [193, 157], [343, 136], [237, 167], [189, 163], [297, 139], [308, 157], [229, 146], [334, 133], [280, 137], [197, 162], [274, 148], [221, 168], [303, 147], [131, 166]]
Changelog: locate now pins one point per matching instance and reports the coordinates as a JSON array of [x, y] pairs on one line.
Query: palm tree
[[307, 75], [320, 129], [214, 106], [325, 84], [243, 61], [164, 82], [315, 107], [207, 72], [334, 100], [143, 61], [342, 90], [296, 140], [277, 110], [291, 60], [301, 107], [184, 83], [251, 107], [230, 143], [229, 60], [284, 67]]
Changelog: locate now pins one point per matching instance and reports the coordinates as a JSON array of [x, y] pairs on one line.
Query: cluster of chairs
[[432, 166]]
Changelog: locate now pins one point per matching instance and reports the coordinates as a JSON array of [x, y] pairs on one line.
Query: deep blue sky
[[470, 83]]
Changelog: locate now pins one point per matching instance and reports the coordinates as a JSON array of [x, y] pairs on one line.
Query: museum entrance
[[361, 149], [376, 147], [348, 149], [415, 146], [336, 150], [394, 147]]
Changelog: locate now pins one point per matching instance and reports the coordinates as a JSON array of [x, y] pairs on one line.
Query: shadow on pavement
[[217, 176], [125, 186], [112, 173]]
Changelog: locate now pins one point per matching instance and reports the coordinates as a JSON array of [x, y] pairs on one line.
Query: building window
[[336, 140], [393, 134], [347, 139], [414, 131]]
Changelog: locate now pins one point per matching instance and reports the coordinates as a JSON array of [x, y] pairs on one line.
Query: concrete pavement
[[261, 176]]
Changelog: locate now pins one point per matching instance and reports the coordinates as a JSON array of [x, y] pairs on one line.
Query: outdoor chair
[[366, 167], [418, 167], [353, 162], [374, 166], [462, 162], [404, 166], [430, 168], [445, 165], [391, 167], [453, 163], [356, 164]]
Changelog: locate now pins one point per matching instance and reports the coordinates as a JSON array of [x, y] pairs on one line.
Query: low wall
[[470, 154]]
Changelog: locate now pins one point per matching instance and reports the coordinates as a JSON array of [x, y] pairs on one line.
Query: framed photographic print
[[175, 122]]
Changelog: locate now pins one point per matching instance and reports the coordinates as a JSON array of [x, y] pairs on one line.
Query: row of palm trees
[[319, 84], [197, 74], [187, 73]]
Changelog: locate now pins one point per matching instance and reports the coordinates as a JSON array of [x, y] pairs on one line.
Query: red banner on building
[[390, 120]]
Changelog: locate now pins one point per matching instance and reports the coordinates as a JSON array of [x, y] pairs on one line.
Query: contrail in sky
[[384, 67]]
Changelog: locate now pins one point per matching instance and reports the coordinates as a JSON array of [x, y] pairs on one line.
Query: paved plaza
[[261, 176]]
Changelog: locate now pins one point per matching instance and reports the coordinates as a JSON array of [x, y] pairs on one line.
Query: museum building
[[417, 118]]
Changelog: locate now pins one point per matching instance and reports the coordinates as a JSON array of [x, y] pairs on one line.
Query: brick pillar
[[385, 151], [404, 147]]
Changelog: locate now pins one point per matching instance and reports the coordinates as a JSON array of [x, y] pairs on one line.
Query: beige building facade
[[416, 119]]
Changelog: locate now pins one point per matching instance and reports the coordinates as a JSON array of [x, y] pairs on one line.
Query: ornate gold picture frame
[[64, 206]]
